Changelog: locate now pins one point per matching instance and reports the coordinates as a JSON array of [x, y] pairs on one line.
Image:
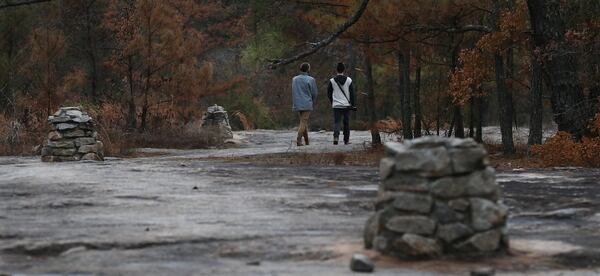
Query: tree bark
[[404, 89], [451, 125], [144, 115], [131, 112], [350, 65], [146, 105], [479, 129], [471, 117], [375, 137], [571, 110], [510, 75], [537, 108], [91, 51], [417, 102], [505, 104], [458, 117], [12, 101], [505, 107], [438, 119], [458, 121]]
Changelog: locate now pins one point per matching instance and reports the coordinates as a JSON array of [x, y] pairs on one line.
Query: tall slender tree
[[571, 109]]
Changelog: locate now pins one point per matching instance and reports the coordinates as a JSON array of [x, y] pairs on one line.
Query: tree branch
[[321, 4], [318, 45], [450, 29], [9, 3]]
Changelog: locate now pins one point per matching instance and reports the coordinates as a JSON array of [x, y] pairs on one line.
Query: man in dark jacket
[[341, 95]]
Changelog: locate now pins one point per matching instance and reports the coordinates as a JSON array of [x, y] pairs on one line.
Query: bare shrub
[[389, 126], [16, 138], [245, 120], [338, 158]]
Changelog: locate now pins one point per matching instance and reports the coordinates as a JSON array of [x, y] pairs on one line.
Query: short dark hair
[[304, 67], [341, 67]]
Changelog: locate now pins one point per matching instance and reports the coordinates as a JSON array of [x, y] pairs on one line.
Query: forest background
[[148, 69]]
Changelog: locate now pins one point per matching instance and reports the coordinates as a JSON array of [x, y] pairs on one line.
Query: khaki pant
[[303, 128]]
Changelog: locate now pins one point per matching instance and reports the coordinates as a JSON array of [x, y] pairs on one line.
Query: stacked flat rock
[[438, 197], [215, 119], [72, 138]]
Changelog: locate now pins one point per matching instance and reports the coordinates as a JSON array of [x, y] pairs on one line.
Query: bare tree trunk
[[145, 106], [437, 104], [505, 104], [452, 125], [510, 74], [91, 51], [504, 107], [479, 129], [404, 88], [131, 112], [417, 102], [593, 72], [144, 112], [471, 117], [537, 108], [375, 137], [458, 117], [10, 73], [571, 110], [352, 54]]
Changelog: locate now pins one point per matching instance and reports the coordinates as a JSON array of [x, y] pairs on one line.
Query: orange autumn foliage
[[563, 150], [466, 81], [158, 59], [477, 63], [389, 125]]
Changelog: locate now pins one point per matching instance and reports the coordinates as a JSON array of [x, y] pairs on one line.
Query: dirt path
[[180, 215]]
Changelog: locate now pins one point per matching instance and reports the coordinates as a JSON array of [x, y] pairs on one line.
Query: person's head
[[305, 67], [341, 68]]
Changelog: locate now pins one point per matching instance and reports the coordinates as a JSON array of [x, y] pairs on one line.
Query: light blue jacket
[[304, 92]]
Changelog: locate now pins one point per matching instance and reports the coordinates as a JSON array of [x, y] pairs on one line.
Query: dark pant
[[338, 114]]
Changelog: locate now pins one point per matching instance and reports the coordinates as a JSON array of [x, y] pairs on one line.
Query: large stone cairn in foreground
[[438, 197], [72, 138], [215, 120]]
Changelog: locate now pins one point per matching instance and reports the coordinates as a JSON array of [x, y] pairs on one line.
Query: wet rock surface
[[143, 216]]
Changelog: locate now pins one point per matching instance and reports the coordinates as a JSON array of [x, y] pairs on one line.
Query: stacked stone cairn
[[72, 138], [438, 198], [216, 121]]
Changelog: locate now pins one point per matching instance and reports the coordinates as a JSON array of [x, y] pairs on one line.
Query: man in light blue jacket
[[304, 96]]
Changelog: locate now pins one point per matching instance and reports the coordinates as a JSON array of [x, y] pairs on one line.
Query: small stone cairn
[[215, 120], [438, 197], [72, 138]]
